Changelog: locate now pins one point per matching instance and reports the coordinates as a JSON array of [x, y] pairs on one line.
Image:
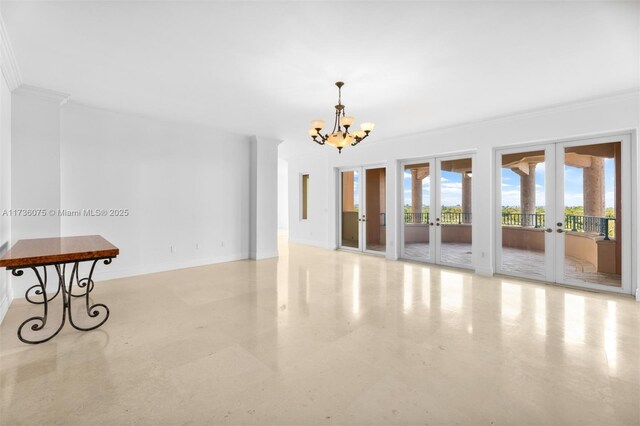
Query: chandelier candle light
[[339, 137]]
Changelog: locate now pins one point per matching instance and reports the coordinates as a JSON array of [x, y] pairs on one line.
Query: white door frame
[[625, 195], [400, 215], [360, 207], [362, 199], [549, 185], [363, 196], [438, 206], [434, 205], [554, 208]]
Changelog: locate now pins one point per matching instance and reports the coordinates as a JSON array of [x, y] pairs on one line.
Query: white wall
[[6, 293], [315, 229], [587, 118], [35, 157], [283, 194], [184, 186]]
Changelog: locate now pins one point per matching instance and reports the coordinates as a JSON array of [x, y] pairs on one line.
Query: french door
[[436, 213], [363, 218], [563, 213]]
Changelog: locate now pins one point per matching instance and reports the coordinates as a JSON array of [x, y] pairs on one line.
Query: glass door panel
[[417, 200], [567, 223], [588, 218], [350, 225], [375, 219], [522, 204], [454, 221]]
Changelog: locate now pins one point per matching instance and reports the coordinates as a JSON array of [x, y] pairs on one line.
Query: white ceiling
[[268, 68]]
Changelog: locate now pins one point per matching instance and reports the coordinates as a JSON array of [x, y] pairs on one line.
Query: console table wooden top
[[43, 251]]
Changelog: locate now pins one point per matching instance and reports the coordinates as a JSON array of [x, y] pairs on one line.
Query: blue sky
[[451, 193], [572, 185], [452, 187], [356, 188]]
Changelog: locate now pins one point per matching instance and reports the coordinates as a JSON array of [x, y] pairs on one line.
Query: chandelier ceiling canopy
[[340, 135]]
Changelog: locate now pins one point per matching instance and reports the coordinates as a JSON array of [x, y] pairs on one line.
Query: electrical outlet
[[173, 249]]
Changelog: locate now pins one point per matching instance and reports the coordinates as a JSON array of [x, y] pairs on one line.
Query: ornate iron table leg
[[37, 295], [87, 284], [40, 289]]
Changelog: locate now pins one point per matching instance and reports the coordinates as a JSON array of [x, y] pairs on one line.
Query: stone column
[[466, 197], [593, 187], [416, 196], [528, 195]]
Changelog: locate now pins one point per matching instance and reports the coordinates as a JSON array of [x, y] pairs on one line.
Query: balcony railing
[[422, 218], [448, 218], [524, 219], [601, 225], [455, 218], [604, 226]]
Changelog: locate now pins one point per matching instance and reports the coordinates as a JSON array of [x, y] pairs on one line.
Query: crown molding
[[41, 93], [8, 63]]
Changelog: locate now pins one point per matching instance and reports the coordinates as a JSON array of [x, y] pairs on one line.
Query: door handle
[[438, 224], [431, 224], [548, 230], [559, 231]]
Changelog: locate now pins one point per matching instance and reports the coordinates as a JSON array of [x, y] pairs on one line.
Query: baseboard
[[485, 271], [263, 256], [105, 273], [312, 243], [110, 274]]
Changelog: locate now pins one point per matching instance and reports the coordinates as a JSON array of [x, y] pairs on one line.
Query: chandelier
[[339, 137]]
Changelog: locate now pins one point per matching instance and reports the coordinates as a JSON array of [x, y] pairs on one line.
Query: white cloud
[[610, 199], [572, 199]]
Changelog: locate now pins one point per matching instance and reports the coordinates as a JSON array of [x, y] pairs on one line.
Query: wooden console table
[[38, 255]]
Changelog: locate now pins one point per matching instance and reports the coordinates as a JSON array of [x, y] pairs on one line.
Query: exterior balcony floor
[[518, 261]]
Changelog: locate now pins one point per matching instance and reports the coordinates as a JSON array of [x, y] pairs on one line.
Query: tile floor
[[576, 270], [452, 253], [526, 262], [330, 337]]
